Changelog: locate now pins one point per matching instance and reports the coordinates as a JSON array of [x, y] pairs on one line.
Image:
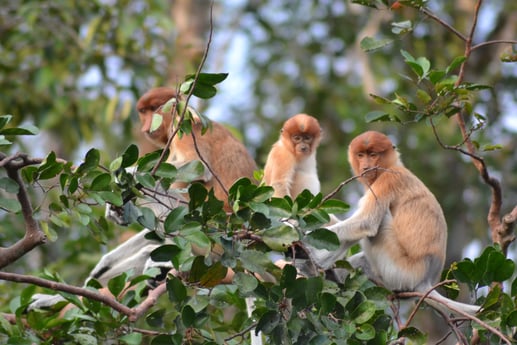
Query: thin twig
[[483, 44], [446, 25]]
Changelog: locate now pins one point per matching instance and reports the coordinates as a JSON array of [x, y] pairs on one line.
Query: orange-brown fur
[[226, 156], [291, 165]]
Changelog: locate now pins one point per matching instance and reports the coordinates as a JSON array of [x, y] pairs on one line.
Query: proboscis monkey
[[225, 156], [291, 164], [399, 223]]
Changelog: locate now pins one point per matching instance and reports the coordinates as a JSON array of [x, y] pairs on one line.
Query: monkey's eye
[[296, 138], [307, 138], [360, 155], [374, 154]]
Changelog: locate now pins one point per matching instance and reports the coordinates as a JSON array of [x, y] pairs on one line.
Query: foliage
[[291, 307]]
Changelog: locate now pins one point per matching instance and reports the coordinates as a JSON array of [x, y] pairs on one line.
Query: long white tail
[[447, 305], [256, 339]]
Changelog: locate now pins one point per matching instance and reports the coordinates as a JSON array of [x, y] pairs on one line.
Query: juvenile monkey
[[399, 223], [225, 156], [291, 164]]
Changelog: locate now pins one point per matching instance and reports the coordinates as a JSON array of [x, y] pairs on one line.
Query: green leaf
[[190, 171], [147, 219], [423, 96], [365, 332], [188, 316], [84, 339], [156, 319], [364, 312], [101, 183], [21, 130], [4, 120], [91, 161], [255, 261], [163, 339], [280, 237], [156, 122], [334, 206], [148, 161], [246, 283], [322, 239], [10, 205], [193, 233], [130, 156], [214, 275], [268, 322], [511, 319], [166, 170], [176, 290], [146, 180], [377, 115], [204, 86], [455, 64], [117, 284], [175, 219], [132, 338], [369, 43], [112, 198], [413, 334], [407, 56], [403, 27], [9, 185], [197, 195], [165, 252]]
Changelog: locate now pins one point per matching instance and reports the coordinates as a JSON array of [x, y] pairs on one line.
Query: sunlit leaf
[[369, 43], [280, 238], [322, 239]]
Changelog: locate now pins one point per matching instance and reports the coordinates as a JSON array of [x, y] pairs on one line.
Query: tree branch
[[94, 295], [33, 235], [456, 311]]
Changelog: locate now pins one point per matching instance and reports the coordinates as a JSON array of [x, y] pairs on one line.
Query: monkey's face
[[303, 144], [302, 133], [365, 164], [369, 151], [155, 122], [149, 121]]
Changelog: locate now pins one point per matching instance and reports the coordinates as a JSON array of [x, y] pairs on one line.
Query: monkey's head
[[371, 150], [149, 106], [302, 135]]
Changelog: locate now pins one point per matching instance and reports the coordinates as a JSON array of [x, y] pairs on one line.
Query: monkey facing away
[[219, 149], [221, 153], [399, 224], [291, 164]]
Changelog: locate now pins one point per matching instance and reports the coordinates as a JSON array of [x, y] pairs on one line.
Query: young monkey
[[291, 164], [225, 156], [399, 223]]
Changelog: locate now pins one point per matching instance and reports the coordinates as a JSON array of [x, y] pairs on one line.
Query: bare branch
[[33, 235], [444, 24], [457, 311], [483, 44], [93, 295]]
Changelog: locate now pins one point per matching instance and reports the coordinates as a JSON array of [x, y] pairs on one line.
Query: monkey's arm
[[365, 222]]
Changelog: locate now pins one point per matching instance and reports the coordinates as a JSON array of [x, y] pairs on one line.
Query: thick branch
[[33, 235], [94, 295]]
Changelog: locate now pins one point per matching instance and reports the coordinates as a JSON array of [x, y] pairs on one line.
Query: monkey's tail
[[446, 305]]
